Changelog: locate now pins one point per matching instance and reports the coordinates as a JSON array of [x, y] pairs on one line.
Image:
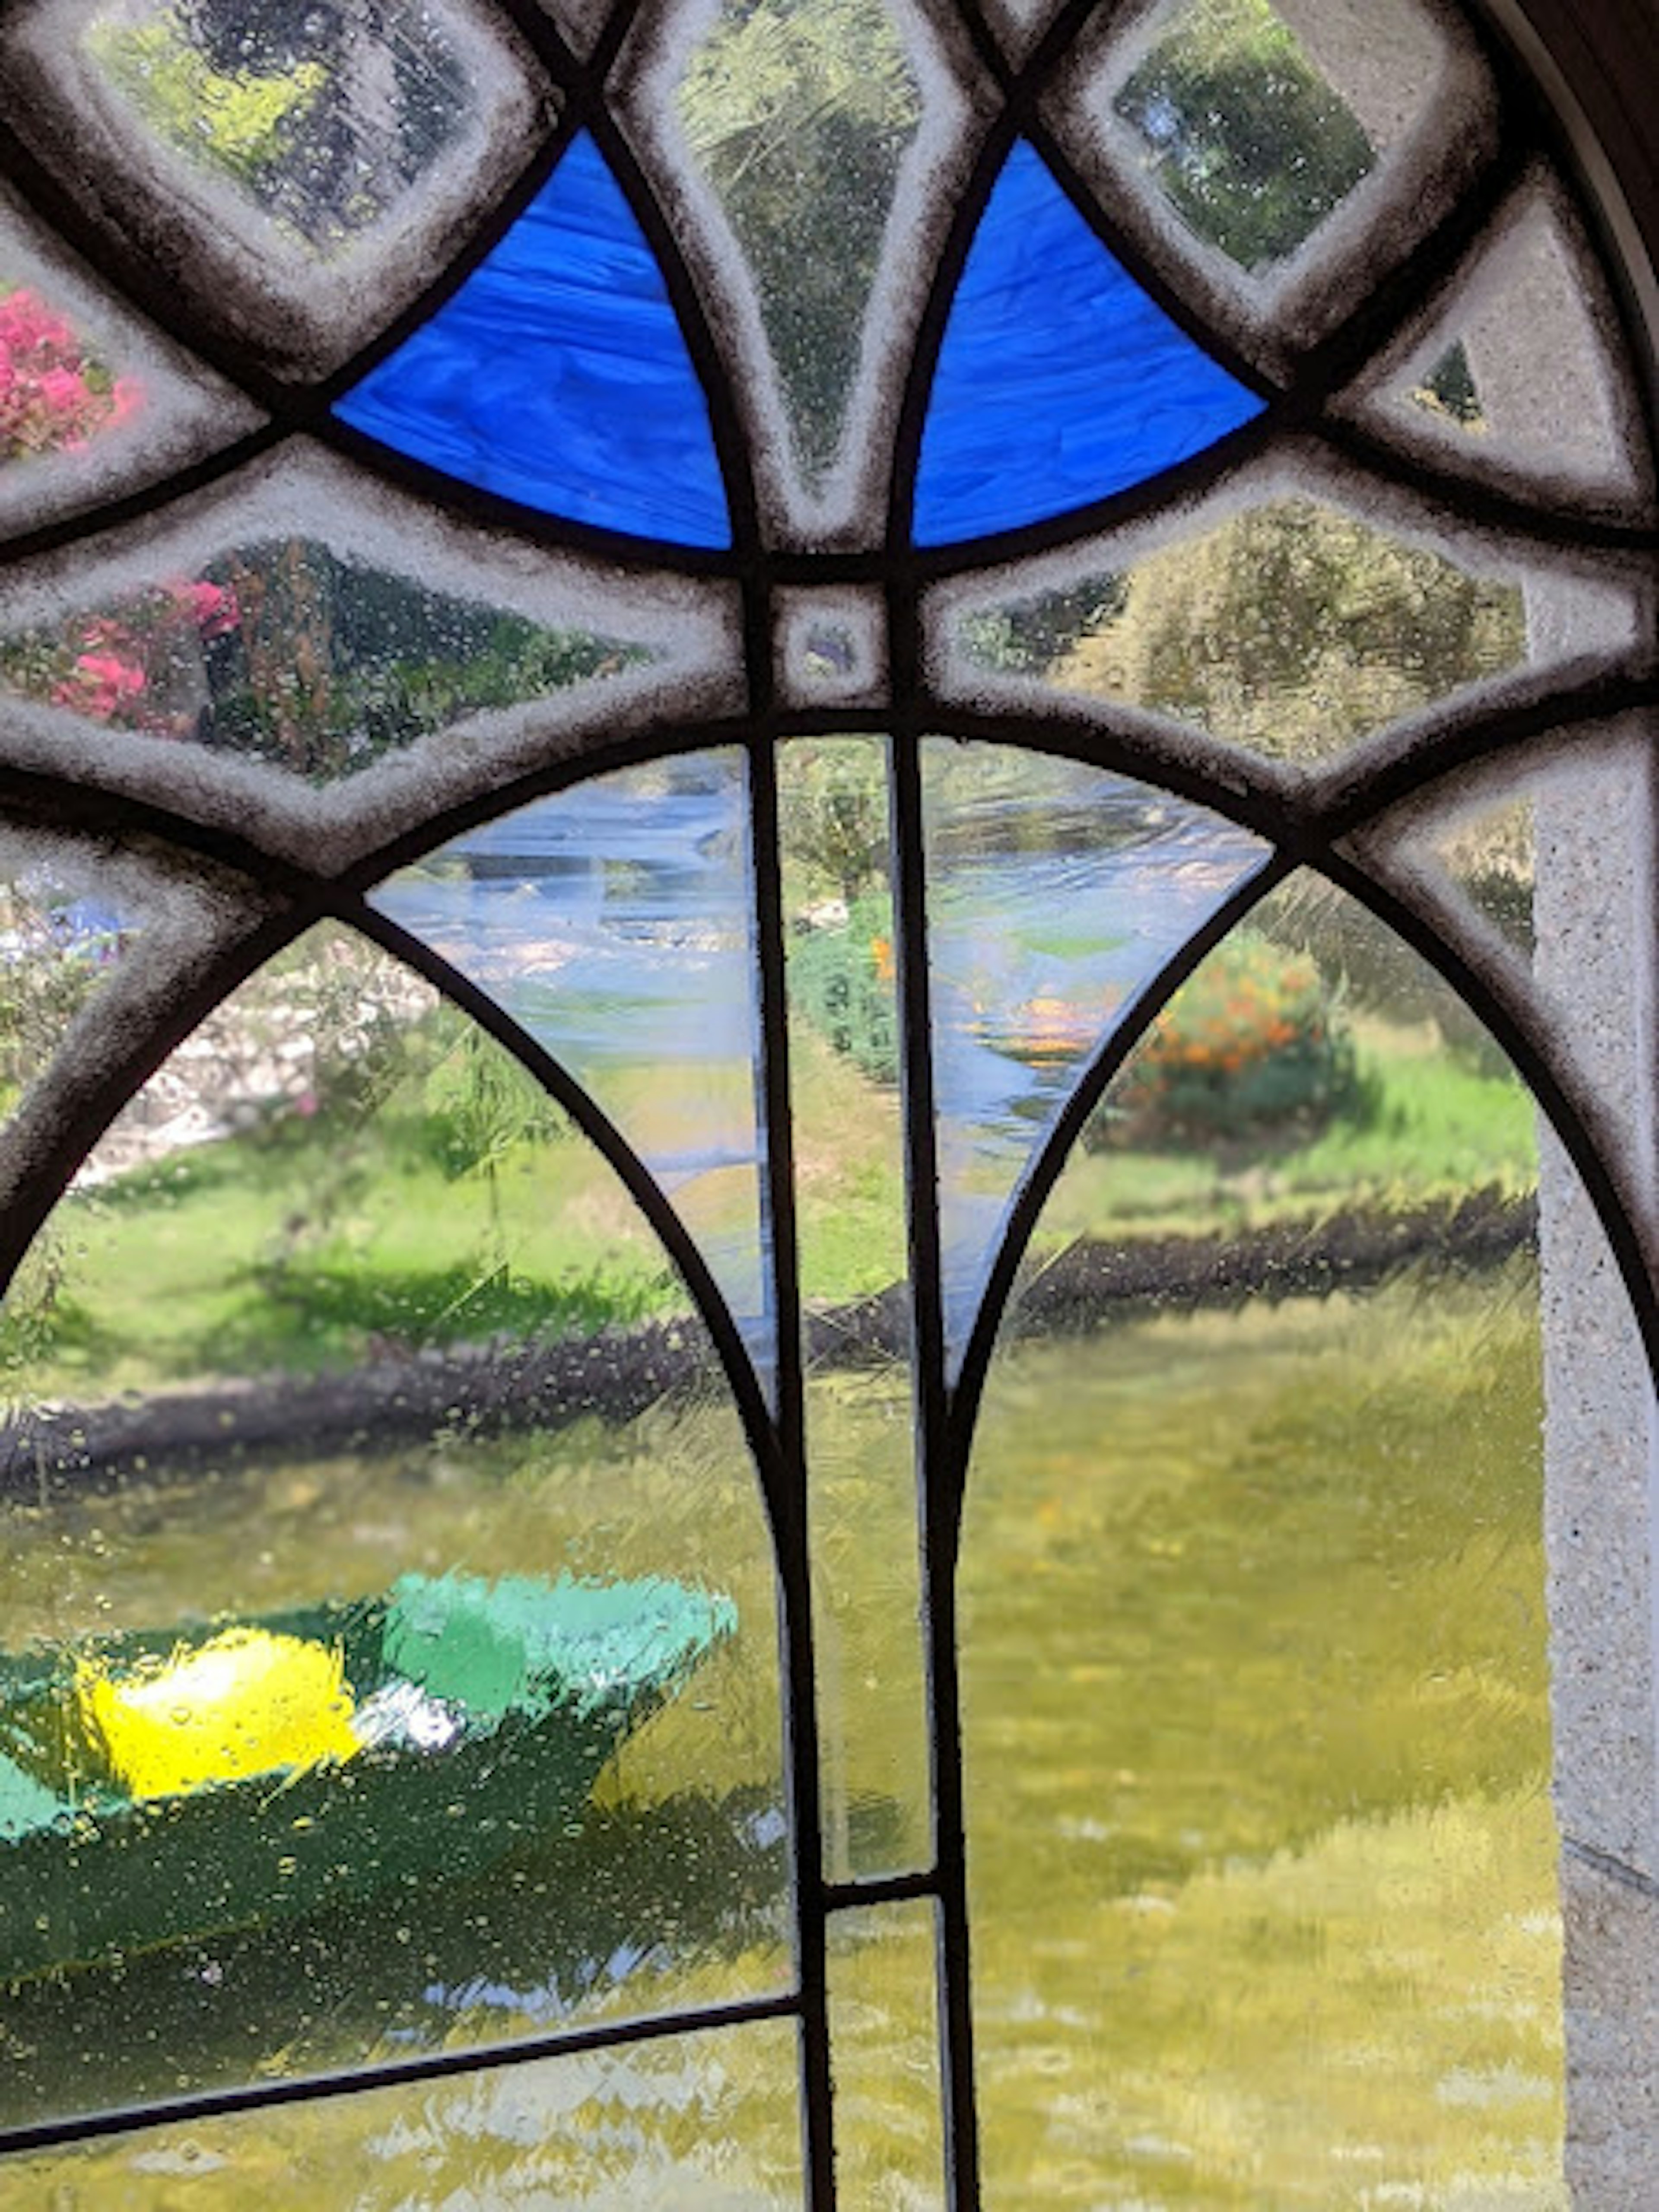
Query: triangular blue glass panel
[[613, 921], [1055, 893], [1060, 381], [558, 375]]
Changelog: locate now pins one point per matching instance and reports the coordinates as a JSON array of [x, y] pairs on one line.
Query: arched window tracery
[[935, 639]]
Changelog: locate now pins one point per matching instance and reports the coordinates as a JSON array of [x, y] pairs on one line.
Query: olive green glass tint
[[843, 1051], [282, 650], [391, 1636], [1292, 627], [1261, 1855], [1248, 143], [692, 2124], [798, 115], [884, 2029]]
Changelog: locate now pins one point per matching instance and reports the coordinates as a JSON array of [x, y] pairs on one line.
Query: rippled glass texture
[[1058, 380], [1248, 142], [697, 2123], [65, 924], [850, 1175], [614, 922], [557, 376], [1262, 1854], [1517, 375], [391, 1647], [56, 392], [1056, 891], [1292, 627], [884, 2048], [284, 652], [323, 118], [798, 117], [1491, 858]]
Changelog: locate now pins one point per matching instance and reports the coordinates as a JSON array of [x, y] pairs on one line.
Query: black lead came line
[[206, 2105]]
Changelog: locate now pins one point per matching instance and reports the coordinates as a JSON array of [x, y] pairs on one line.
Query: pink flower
[[98, 685], [212, 607]]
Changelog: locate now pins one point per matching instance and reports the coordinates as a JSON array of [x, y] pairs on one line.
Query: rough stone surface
[[1612, 1971]]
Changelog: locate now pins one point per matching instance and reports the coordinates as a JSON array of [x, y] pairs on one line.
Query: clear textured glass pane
[[1291, 627], [1538, 865], [283, 651], [67, 921], [1248, 143], [1260, 1846], [849, 1173], [286, 167], [321, 118], [695, 2123], [1055, 891], [1059, 379], [884, 2050], [1492, 859], [392, 1644], [614, 920], [798, 117], [558, 375], [829, 648], [1516, 374], [91, 402]]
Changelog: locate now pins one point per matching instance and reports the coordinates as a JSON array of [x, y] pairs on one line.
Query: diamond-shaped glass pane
[[322, 117], [366, 1481], [797, 116], [1292, 627], [614, 922], [284, 652], [288, 167], [1248, 143], [1055, 892], [92, 402]]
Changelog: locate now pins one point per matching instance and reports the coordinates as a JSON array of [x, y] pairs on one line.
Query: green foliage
[[832, 803], [1255, 1042], [841, 981], [481, 1104], [1029, 636], [1253, 147], [235, 124], [1295, 630], [798, 112]]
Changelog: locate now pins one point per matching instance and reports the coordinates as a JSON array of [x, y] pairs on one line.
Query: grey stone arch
[[1595, 61]]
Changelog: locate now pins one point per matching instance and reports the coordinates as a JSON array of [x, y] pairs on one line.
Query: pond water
[[1258, 1762]]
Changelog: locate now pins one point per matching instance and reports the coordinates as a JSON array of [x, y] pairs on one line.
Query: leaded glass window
[[827, 1044]]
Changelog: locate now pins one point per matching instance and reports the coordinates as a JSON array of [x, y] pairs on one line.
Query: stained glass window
[[827, 903]]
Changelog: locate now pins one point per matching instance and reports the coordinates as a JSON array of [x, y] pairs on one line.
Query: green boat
[[154, 1789]]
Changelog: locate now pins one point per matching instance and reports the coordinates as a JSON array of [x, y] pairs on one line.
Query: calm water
[[1258, 1762]]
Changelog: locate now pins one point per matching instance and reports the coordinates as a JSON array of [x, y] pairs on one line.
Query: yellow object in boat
[[247, 1702]]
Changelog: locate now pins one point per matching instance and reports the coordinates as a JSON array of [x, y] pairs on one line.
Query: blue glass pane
[[557, 374], [1060, 379]]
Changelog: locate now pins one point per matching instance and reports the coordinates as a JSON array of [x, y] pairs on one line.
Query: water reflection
[[614, 922]]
